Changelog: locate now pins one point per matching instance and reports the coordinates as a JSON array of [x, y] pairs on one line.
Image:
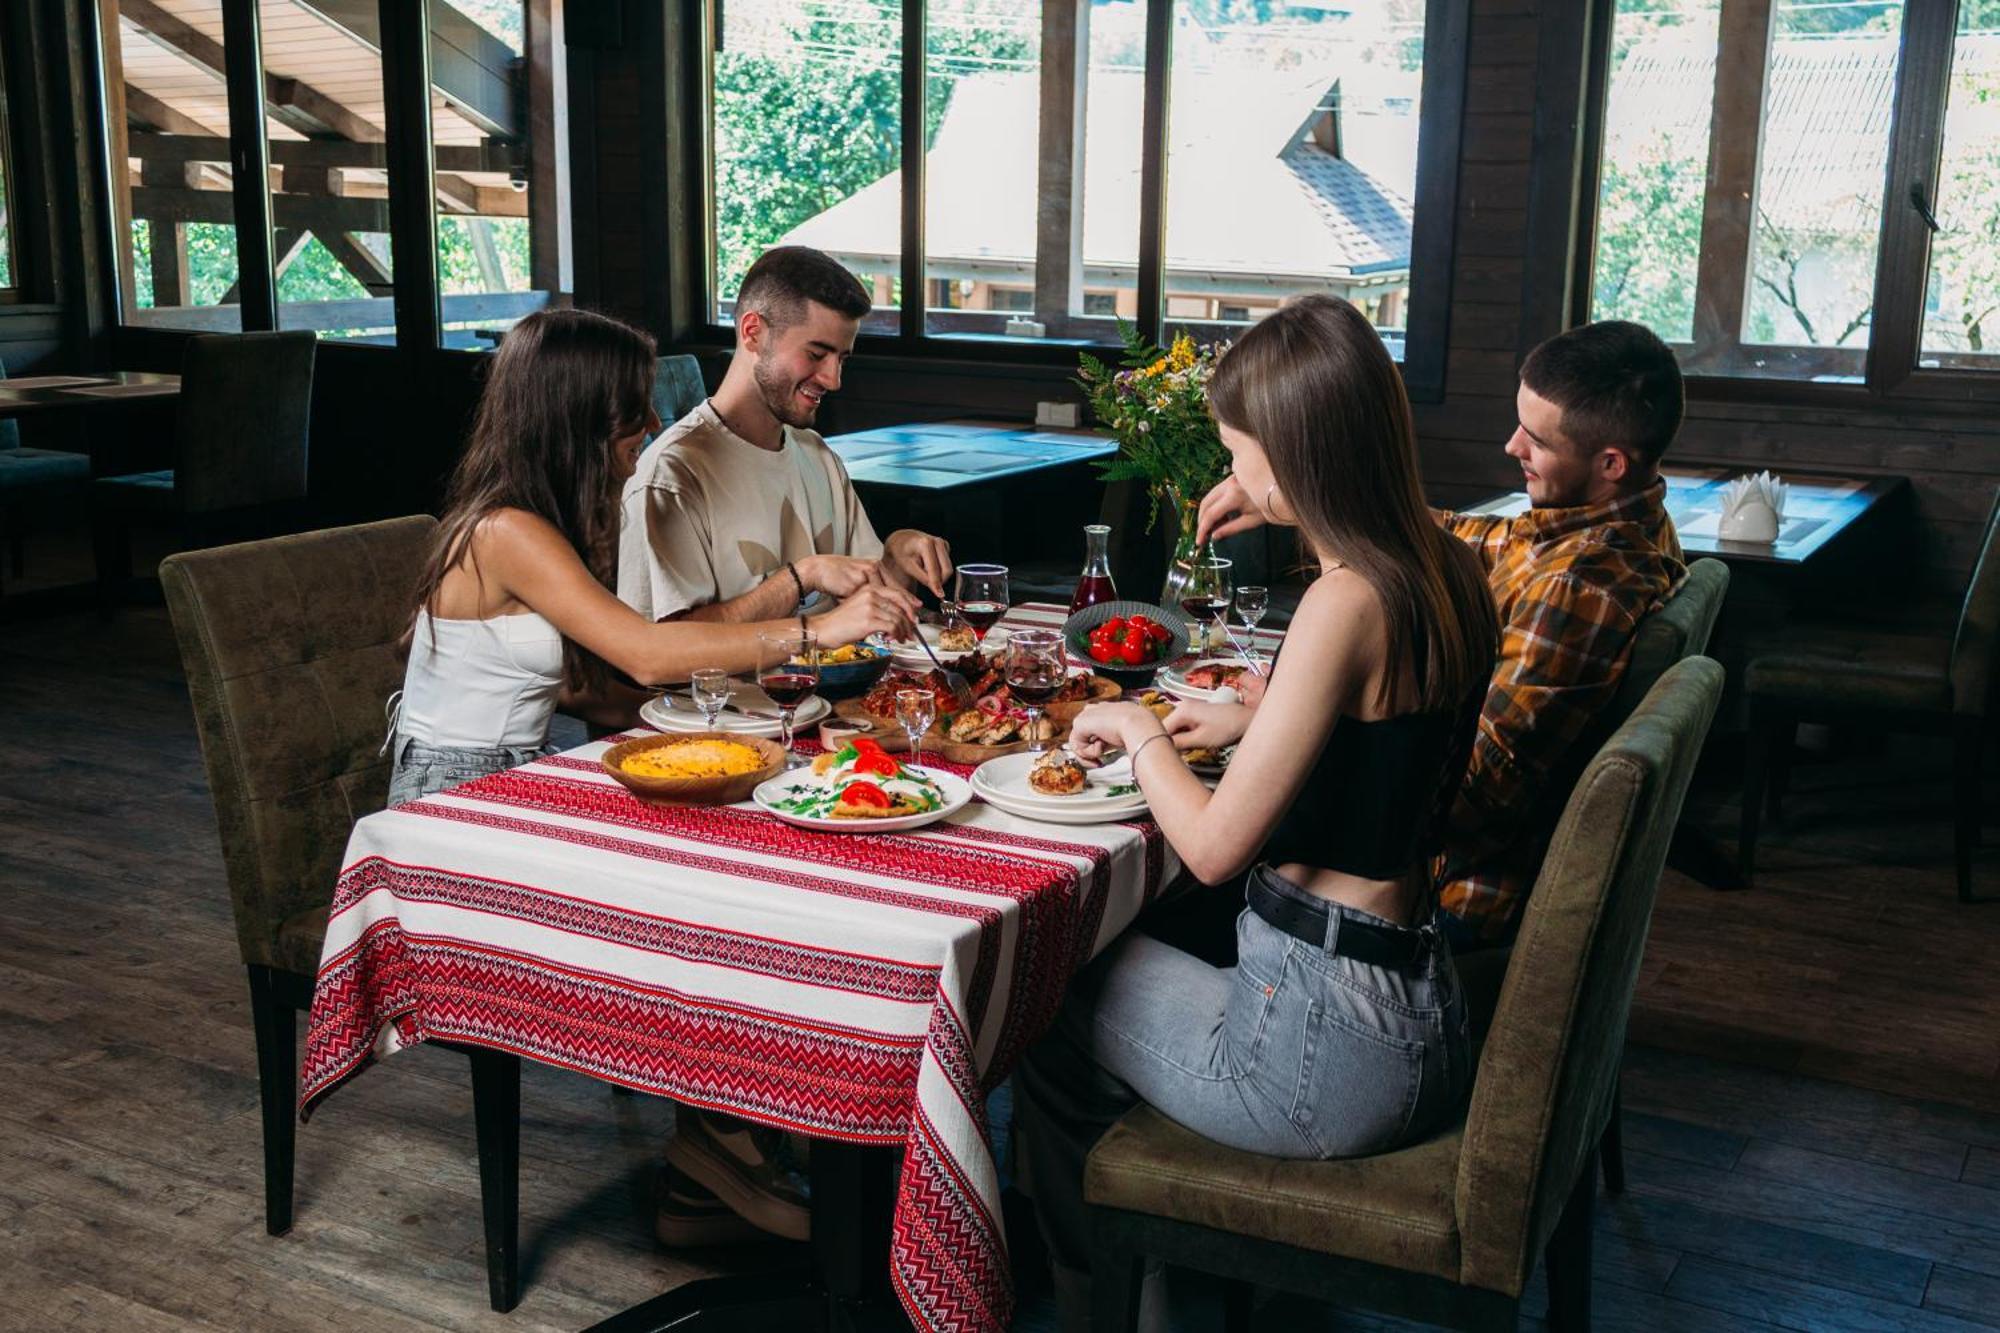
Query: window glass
[[489, 271], [1292, 158], [324, 121], [164, 72], [1655, 163], [1962, 303], [1817, 219], [7, 270], [807, 140]]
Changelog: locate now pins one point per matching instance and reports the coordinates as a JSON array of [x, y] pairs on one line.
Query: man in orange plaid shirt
[[1572, 576]]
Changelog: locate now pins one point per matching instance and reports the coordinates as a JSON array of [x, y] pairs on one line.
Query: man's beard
[[781, 396]]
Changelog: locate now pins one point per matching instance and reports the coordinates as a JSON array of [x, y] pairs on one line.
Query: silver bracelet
[[1156, 736]]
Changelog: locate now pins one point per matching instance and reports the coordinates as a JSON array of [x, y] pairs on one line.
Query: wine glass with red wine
[[789, 673], [1207, 597], [1036, 669], [982, 596]]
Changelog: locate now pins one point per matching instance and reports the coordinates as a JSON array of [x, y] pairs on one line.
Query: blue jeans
[[421, 770], [1298, 1051]]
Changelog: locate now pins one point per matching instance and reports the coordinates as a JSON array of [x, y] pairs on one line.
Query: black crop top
[[1374, 802]]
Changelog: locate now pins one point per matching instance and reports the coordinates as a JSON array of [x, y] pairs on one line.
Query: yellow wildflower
[[1182, 354]]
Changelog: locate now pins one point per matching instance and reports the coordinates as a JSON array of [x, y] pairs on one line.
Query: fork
[[961, 692]]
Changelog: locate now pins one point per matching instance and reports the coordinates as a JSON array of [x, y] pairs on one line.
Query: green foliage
[[1157, 410], [1649, 242]]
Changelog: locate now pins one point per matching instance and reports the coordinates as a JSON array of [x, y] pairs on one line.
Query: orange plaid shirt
[[1571, 585]]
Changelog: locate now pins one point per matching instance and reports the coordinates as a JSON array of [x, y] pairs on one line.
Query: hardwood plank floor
[[130, 1192]]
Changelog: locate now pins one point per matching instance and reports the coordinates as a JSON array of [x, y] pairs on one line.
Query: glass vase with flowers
[[1156, 407]]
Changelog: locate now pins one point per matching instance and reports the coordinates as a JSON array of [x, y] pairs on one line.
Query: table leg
[[846, 1289]]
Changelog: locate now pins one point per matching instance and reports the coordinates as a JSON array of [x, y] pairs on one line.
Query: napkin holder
[[1752, 508]]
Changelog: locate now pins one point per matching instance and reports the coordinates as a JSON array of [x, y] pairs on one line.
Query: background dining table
[[861, 989]]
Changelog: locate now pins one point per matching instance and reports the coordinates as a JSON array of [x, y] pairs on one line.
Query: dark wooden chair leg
[[1116, 1275], [1611, 1148], [496, 1114], [1967, 748], [1238, 1304], [277, 1093], [1756, 766], [1783, 743], [112, 541], [1568, 1256]]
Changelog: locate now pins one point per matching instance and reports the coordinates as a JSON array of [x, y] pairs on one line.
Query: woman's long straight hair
[[562, 387], [1314, 386]]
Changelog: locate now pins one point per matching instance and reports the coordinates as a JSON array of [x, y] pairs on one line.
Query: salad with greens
[[859, 781]]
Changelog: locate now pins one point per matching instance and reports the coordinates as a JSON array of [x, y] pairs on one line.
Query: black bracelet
[[797, 582]]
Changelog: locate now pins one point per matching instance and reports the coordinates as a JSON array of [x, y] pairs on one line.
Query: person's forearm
[[773, 599]]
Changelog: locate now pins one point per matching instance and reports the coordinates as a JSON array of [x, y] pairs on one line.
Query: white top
[[481, 684], [708, 516]]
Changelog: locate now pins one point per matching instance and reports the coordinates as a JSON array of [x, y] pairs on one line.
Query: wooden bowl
[[694, 791]]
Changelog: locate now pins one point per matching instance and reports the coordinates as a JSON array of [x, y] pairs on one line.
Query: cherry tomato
[[865, 793], [1133, 651]]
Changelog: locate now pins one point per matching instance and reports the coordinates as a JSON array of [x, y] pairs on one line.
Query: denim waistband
[[1422, 938]]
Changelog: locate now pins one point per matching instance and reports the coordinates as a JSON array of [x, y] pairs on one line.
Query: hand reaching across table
[[919, 558]]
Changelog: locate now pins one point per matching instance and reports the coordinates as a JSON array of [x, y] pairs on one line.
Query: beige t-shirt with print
[[707, 515]]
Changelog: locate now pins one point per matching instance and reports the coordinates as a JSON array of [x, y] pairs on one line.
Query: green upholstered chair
[[290, 649], [677, 388], [240, 429], [28, 477], [1933, 684], [1448, 1230]]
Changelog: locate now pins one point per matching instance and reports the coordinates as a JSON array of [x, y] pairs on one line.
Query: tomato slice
[[875, 761], [865, 793]]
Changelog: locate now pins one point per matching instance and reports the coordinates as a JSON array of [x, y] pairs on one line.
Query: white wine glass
[[916, 709], [710, 687]]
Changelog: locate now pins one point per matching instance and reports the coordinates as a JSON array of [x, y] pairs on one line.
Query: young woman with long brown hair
[[1340, 1031], [514, 611]]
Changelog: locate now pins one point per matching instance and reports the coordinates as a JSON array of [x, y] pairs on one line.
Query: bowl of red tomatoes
[[1127, 642]]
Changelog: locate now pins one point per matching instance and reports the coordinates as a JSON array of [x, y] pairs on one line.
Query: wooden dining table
[[867, 990], [28, 395]]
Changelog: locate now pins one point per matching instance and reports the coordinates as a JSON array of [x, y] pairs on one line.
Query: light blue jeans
[[1297, 1051], [421, 770]]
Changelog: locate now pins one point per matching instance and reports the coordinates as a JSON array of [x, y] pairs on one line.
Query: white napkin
[[1752, 508]]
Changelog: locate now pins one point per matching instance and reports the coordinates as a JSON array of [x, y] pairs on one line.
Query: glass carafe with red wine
[[982, 596], [1095, 584], [789, 673]]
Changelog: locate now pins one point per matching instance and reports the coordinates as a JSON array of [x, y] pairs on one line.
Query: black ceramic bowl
[[1076, 636]]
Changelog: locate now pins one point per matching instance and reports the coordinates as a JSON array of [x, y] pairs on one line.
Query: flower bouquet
[[1156, 407]]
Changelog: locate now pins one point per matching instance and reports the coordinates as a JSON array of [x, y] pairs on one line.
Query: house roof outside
[[1251, 199]]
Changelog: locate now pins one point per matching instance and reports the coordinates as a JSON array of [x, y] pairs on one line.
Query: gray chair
[[1448, 1230], [677, 388], [1932, 684], [29, 477], [240, 434]]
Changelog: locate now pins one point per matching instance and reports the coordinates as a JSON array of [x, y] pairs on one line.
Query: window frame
[[1433, 230], [1889, 366]]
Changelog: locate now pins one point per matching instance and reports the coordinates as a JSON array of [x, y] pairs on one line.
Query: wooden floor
[[130, 1193]]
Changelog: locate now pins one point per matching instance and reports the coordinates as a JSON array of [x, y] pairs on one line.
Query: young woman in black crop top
[[1340, 1031]]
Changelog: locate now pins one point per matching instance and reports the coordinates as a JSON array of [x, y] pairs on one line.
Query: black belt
[[1384, 946]]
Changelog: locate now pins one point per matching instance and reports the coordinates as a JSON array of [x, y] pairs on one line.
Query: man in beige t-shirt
[[740, 511]]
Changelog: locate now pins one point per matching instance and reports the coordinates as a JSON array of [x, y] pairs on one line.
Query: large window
[[165, 72], [1286, 161], [9, 269], [498, 141], [1788, 188]]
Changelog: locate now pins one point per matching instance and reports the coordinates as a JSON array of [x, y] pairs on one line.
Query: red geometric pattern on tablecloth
[[1047, 891], [814, 965], [947, 1260], [987, 918], [782, 1069]]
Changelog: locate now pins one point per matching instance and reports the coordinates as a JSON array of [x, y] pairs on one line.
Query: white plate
[[1173, 680], [663, 714], [1004, 782], [957, 795], [908, 656]]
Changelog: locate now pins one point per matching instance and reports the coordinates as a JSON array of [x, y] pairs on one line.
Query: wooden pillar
[[1728, 212], [1065, 81], [121, 176], [547, 150]]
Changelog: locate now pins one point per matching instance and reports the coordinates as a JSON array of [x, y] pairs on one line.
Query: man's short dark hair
[[782, 280], [1617, 384]]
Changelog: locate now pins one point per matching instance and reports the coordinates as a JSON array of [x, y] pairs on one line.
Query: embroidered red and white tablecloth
[[870, 987]]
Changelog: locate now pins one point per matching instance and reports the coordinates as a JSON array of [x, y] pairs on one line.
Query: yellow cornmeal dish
[[694, 759]]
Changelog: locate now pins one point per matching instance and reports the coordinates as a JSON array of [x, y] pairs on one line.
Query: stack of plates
[[1003, 783], [1173, 680], [672, 712]]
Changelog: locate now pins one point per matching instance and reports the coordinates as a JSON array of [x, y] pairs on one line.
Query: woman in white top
[[514, 613]]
